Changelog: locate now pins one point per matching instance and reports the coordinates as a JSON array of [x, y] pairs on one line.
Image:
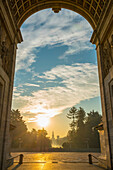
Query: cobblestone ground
[[55, 161]]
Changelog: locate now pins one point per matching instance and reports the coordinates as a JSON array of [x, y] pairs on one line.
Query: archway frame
[[99, 13], [89, 9]]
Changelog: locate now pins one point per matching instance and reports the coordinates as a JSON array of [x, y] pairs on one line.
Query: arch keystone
[[56, 9]]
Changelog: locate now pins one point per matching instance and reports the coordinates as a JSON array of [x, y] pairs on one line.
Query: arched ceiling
[[89, 9]]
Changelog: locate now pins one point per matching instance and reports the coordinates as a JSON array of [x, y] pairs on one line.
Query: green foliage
[[66, 145], [21, 138], [82, 133], [72, 115], [92, 120], [20, 128], [80, 117], [43, 141]]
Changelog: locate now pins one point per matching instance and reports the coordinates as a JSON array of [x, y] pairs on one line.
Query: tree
[[92, 120], [72, 115], [66, 146], [80, 117], [82, 134], [44, 143], [20, 128], [34, 140]]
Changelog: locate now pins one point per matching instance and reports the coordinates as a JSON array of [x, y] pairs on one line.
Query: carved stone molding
[[0, 43], [5, 57], [112, 41], [4, 50], [107, 58]]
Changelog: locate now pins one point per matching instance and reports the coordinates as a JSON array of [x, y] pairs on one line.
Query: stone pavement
[[55, 166]]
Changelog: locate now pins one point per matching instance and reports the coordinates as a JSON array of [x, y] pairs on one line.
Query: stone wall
[[9, 36]]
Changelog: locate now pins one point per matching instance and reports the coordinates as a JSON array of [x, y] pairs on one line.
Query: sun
[[43, 121]]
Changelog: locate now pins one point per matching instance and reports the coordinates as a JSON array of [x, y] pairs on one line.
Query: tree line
[[21, 138], [82, 133]]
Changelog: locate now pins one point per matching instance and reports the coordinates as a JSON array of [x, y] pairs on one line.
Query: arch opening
[[61, 71]]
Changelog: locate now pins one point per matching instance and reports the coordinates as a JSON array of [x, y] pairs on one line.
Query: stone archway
[[91, 10], [99, 13]]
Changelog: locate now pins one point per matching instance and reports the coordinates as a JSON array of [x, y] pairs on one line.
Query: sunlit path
[[56, 161], [49, 157], [57, 166]]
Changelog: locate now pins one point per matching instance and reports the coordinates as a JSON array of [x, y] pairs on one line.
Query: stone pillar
[[7, 69], [108, 85], [6, 144], [10, 35], [4, 87], [105, 69], [103, 103]]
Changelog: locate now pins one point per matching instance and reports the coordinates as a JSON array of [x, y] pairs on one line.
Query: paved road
[[55, 166], [55, 161], [55, 156]]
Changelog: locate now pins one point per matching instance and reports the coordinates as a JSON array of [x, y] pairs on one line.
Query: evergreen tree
[[72, 115], [92, 120], [82, 133]]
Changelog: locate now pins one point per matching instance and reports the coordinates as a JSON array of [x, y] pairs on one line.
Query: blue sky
[[56, 69]]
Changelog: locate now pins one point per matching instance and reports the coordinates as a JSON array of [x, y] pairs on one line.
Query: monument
[[99, 13]]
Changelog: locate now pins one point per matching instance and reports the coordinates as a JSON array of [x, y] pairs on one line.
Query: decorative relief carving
[[112, 41], [4, 51], [5, 57], [0, 43], [107, 58]]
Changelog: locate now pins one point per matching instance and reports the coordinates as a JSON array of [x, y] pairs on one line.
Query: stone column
[[10, 35], [104, 89], [10, 91], [6, 80]]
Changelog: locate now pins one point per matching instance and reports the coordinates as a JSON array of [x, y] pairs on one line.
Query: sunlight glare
[[43, 121]]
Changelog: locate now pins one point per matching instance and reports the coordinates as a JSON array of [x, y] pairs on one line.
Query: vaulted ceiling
[[89, 9]]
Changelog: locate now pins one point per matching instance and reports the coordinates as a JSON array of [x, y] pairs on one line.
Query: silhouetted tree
[[44, 143], [72, 115], [82, 133], [92, 120], [34, 140], [80, 118], [20, 128]]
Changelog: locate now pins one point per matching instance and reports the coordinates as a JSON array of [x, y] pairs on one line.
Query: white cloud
[[31, 85], [17, 92], [78, 82], [47, 28]]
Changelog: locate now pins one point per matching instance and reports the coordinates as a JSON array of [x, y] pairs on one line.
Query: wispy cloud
[[78, 82], [31, 85], [47, 28], [70, 84]]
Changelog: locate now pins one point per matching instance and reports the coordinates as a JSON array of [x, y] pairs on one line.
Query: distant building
[[53, 139], [58, 141], [53, 135]]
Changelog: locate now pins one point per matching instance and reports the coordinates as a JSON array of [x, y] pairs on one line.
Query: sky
[[56, 69]]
